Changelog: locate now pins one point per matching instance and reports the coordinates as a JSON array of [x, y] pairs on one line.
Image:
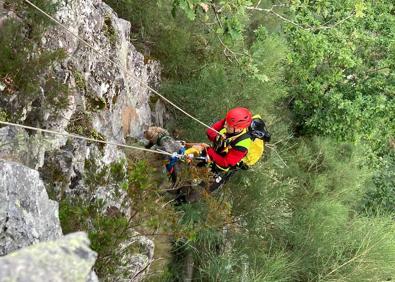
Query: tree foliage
[[26, 71], [341, 69], [321, 73], [312, 210]]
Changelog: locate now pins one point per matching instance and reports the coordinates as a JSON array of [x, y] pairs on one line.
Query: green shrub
[[242, 266], [105, 231], [109, 30], [81, 124], [380, 198], [325, 168], [329, 245], [25, 67], [33, 19], [295, 217], [159, 35], [341, 77]]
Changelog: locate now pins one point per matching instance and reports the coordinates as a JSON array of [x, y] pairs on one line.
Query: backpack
[[258, 133]]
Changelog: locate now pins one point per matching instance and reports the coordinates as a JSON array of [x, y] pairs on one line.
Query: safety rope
[[119, 65], [86, 138]]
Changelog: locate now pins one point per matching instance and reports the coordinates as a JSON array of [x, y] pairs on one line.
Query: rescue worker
[[229, 149]]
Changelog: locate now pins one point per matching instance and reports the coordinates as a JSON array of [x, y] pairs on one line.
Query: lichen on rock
[[27, 216], [66, 259], [107, 101]]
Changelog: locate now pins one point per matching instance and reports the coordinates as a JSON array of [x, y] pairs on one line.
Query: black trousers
[[220, 178]]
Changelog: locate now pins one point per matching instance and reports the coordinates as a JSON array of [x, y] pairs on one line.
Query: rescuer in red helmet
[[230, 148]]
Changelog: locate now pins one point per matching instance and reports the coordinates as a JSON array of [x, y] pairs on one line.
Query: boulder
[[27, 216], [66, 259]]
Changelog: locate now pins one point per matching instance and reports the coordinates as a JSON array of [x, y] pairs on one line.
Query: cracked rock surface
[[66, 259], [27, 216]]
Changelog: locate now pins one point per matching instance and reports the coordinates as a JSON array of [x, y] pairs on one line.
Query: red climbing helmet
[[239, 118]]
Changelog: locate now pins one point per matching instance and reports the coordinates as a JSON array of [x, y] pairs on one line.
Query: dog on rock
[[185, 189]]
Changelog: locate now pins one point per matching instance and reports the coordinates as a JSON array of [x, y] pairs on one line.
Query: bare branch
[[257, 4], [356, 257], [141, 271], [336, 24], [378, 69], [271, 11], [283, 140], [227, 49], [281, 159], [164, 205], [216, 16]]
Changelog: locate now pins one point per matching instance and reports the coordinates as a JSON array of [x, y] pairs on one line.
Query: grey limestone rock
[[107, 79], [16, 145], [66, 259], [27, 216], [108, 96], [135, 263]]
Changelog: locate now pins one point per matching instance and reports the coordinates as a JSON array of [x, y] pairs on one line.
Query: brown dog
[[185, 189], [160, 138]]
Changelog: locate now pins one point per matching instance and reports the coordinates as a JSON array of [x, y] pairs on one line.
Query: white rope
[[119, 65], [85, 138]]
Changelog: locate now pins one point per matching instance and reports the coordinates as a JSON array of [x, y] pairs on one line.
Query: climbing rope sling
[[99, 52]]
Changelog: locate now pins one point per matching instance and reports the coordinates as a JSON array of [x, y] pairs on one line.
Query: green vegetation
[[26, 68], [105, 231], [79, 80], [321, 74], [107, 228], [110, 227], [380, 197], [109, 30], [81, 124], [94, 103], [341, 77]]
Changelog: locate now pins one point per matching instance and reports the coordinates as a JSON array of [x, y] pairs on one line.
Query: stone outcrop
[[106, 79], [29, 223], [105, 102], [135, 265], [27, 216], [66, 259], [108, 95]]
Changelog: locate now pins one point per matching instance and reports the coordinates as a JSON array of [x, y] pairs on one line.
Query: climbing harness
[[183, 155], [170, 166], [253, 138]]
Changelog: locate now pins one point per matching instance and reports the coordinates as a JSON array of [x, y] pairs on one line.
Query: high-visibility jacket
[[230, 153]]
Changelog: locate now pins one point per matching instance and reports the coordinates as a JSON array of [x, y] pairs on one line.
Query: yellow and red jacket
[[233, 148]]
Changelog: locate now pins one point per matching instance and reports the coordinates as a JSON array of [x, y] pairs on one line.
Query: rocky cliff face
[[27, 216], [111, 92], [105, 102], [66, 259]]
